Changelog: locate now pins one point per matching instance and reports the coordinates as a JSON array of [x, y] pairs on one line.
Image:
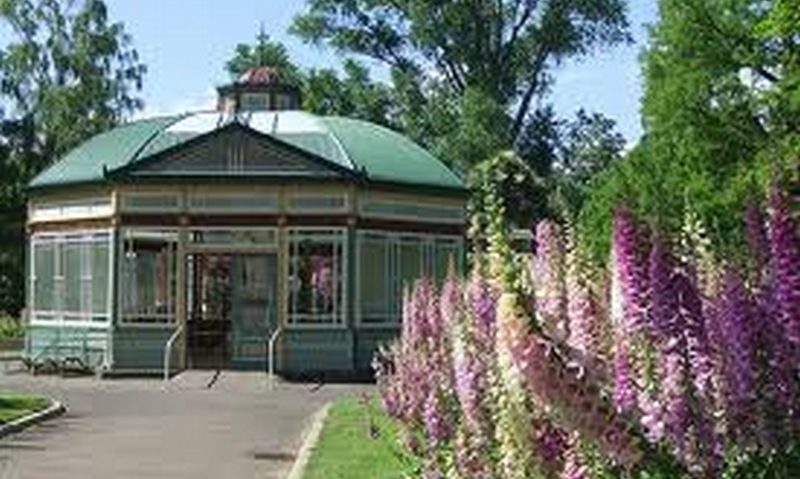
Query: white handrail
[[168, 349], [271, 353]]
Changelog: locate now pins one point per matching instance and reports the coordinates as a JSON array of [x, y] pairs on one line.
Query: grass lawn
[[14, 405], [346, 449]]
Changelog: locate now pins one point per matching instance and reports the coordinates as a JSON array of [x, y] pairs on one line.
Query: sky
[[185, 44]]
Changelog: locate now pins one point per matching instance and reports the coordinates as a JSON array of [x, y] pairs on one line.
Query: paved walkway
[[136, 428]]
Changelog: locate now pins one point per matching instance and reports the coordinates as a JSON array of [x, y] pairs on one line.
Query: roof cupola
[[258, 89]]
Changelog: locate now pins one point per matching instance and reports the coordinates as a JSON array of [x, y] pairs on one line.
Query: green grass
[[346, 449], [14, 405]]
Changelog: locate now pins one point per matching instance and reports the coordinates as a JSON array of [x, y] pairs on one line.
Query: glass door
[[209, 298], [254, 308]]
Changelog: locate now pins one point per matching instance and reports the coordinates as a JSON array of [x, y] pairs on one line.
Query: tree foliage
[[68, 73], [264, 52], [720, 115], [354, 95], [494, 55], [324, 90]]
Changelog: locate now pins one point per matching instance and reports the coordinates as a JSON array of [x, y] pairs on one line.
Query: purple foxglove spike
[[739, 367], [779, 386], [756, 235], [582, 309], [437, 428], [549, 278], [574, 466], [698, 339], [785, 265], [663, 306], [624, 386], [628, 291]]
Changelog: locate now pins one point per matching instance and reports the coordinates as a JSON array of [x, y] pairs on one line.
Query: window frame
[[58, 316], [160, 320], [338, 237], [428, 242]]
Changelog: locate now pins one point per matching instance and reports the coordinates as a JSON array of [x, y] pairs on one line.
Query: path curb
[[310, 440], [54, 409]]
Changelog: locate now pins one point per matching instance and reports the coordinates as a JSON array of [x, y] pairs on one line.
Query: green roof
[[374, 152]]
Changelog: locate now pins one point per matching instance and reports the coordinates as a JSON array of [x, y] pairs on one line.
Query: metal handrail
[[168, 349], [271, 354]]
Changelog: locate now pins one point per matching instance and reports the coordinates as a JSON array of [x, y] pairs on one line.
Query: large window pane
[[71, 277], [100, 277], [316, 277], [148, 276], [375, 279], [44, 262], [391, 262], [71, 265], [409, 261], [445, 252]]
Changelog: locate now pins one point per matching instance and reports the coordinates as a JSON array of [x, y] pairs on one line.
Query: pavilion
[[199, 239]]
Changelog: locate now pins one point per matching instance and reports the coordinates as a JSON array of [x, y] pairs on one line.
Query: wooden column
[[181, 318]]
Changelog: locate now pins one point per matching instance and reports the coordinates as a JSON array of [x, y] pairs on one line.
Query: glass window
[[316, 283], [100, 255], [71, 277], [445, 251], [375, 278], [44, 265], [285, 101], [409, 261], [389, 262], [71, 266], [255, 101], [149, 276]]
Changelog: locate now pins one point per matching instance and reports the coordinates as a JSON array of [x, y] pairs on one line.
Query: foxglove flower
[[574, 467], [629, 285], [778, 383], [785, 266], [577, 403], [697, 255], [582, 309], [437, 428], [551, 305], [736, 321], [512, 414], [625, 391], [550, 443], [756, 236], [470, 381], [663, 306]]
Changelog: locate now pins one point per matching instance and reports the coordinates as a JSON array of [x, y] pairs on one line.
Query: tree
[[720, 113], [323, 91], [264, 52], [67, 74], [356, 95], [503, 49]]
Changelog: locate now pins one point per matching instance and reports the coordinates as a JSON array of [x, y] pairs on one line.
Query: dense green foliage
[[68, 73], [11, 328], [720, 114]]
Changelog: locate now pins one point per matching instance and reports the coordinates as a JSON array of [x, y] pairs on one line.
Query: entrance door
[[254, 308], [232, 309]]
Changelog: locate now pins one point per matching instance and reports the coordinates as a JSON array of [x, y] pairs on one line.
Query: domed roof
[[371, 151]]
